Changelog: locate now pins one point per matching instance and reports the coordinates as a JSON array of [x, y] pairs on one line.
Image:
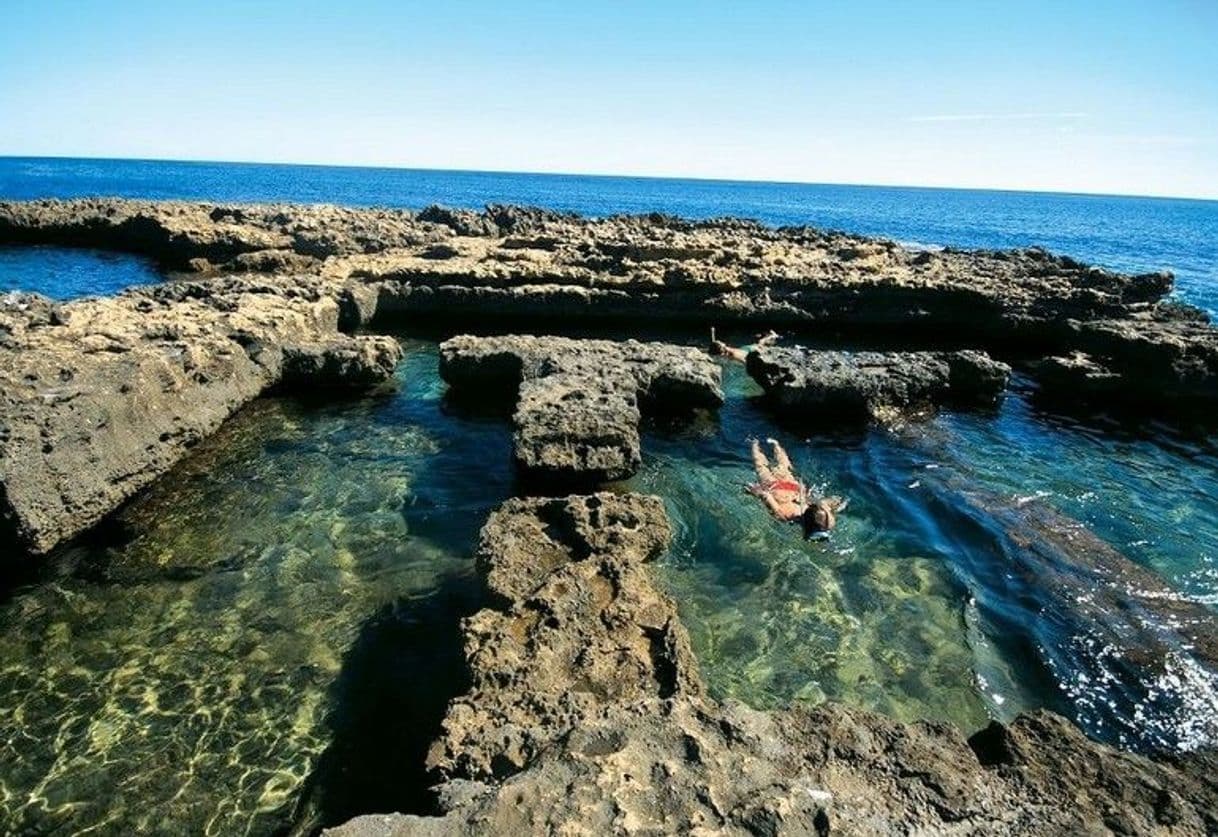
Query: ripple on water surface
[[66, 273], [987, 564]]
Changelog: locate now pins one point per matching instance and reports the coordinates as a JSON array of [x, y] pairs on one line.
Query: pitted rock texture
[[583, 630], [579, 402], [99, 397], [340, 362], [508, 263], [586, 716], [870, 384], [1144, 361], [202, 236]]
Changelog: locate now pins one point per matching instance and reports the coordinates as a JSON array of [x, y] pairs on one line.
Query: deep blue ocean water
[[293, 588]]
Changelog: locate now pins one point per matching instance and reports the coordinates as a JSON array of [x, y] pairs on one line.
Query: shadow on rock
[[388, 703]]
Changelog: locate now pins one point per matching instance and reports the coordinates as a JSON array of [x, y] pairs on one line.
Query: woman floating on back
[[787, 497]]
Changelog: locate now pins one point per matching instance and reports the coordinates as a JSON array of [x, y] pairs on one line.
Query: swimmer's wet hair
[[817, 517]]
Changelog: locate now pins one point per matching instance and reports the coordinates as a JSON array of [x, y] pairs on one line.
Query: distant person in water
[[721, 349], [787, 497]]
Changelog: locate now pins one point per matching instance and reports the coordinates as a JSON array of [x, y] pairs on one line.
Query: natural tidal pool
[[67, 273], [269, 634], [988, 564]]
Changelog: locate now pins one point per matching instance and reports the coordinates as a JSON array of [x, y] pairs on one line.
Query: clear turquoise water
[[285, 604]]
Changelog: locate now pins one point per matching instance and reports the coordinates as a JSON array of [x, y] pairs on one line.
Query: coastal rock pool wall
[[862, 385], [510, 264], [102, 396]]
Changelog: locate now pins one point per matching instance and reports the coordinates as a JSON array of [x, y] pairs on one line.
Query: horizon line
[[620, 176]]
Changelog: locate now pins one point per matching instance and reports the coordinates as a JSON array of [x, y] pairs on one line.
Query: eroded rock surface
[[516, 262], [579, 402], [583, 630], [98, 397], [1144, 361], [586, 715], [872, 384]]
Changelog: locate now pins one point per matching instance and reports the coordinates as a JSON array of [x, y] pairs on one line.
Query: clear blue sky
[[1116, 96]]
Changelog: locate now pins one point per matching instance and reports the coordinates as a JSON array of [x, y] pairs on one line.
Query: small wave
[[920, 246]]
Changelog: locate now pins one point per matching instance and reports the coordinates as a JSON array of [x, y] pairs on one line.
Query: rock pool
[[284, 604]]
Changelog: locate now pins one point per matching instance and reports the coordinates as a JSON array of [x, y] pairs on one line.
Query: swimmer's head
[[819, 516]]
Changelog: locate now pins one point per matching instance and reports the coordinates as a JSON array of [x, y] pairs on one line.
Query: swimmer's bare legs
[[718, 347], [784, 462], [766, 339], [764, 475]]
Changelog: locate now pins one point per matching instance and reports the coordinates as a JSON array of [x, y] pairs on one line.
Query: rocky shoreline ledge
[[278, 290], [1093, 333], [586, 710]]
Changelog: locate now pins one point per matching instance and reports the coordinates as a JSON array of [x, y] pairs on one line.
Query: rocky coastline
[[586, 714], [586, 711], [1090, 332]]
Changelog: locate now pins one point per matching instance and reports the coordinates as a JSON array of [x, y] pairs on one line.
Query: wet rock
[[570, 425], [340, 362], [1144, 362], [869, 384], [578, 402], [99, 397], [586, 715]]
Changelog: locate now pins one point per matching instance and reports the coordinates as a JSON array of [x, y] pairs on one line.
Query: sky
[[1117, 97]]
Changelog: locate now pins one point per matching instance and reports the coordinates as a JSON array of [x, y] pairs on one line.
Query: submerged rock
[[579, 402], [586, 715], [868, 384], [99, 397]]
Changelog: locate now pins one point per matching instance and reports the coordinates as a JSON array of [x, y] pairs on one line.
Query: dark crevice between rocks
[[85, 557], [387, 707], [560, 527], [540, 482], [663, 661], [991, 744]]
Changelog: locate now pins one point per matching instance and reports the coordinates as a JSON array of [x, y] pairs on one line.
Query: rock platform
[[99, 397], [871, 384], [578, 403]]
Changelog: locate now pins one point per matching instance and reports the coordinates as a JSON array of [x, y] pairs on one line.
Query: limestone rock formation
[[1139, 361], [867, 384], [340, 362], [99, 397], [583, 630], [508, 263], [579, 402], [586, 716]]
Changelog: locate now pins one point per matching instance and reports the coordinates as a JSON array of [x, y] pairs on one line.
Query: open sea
[[269, 634]]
